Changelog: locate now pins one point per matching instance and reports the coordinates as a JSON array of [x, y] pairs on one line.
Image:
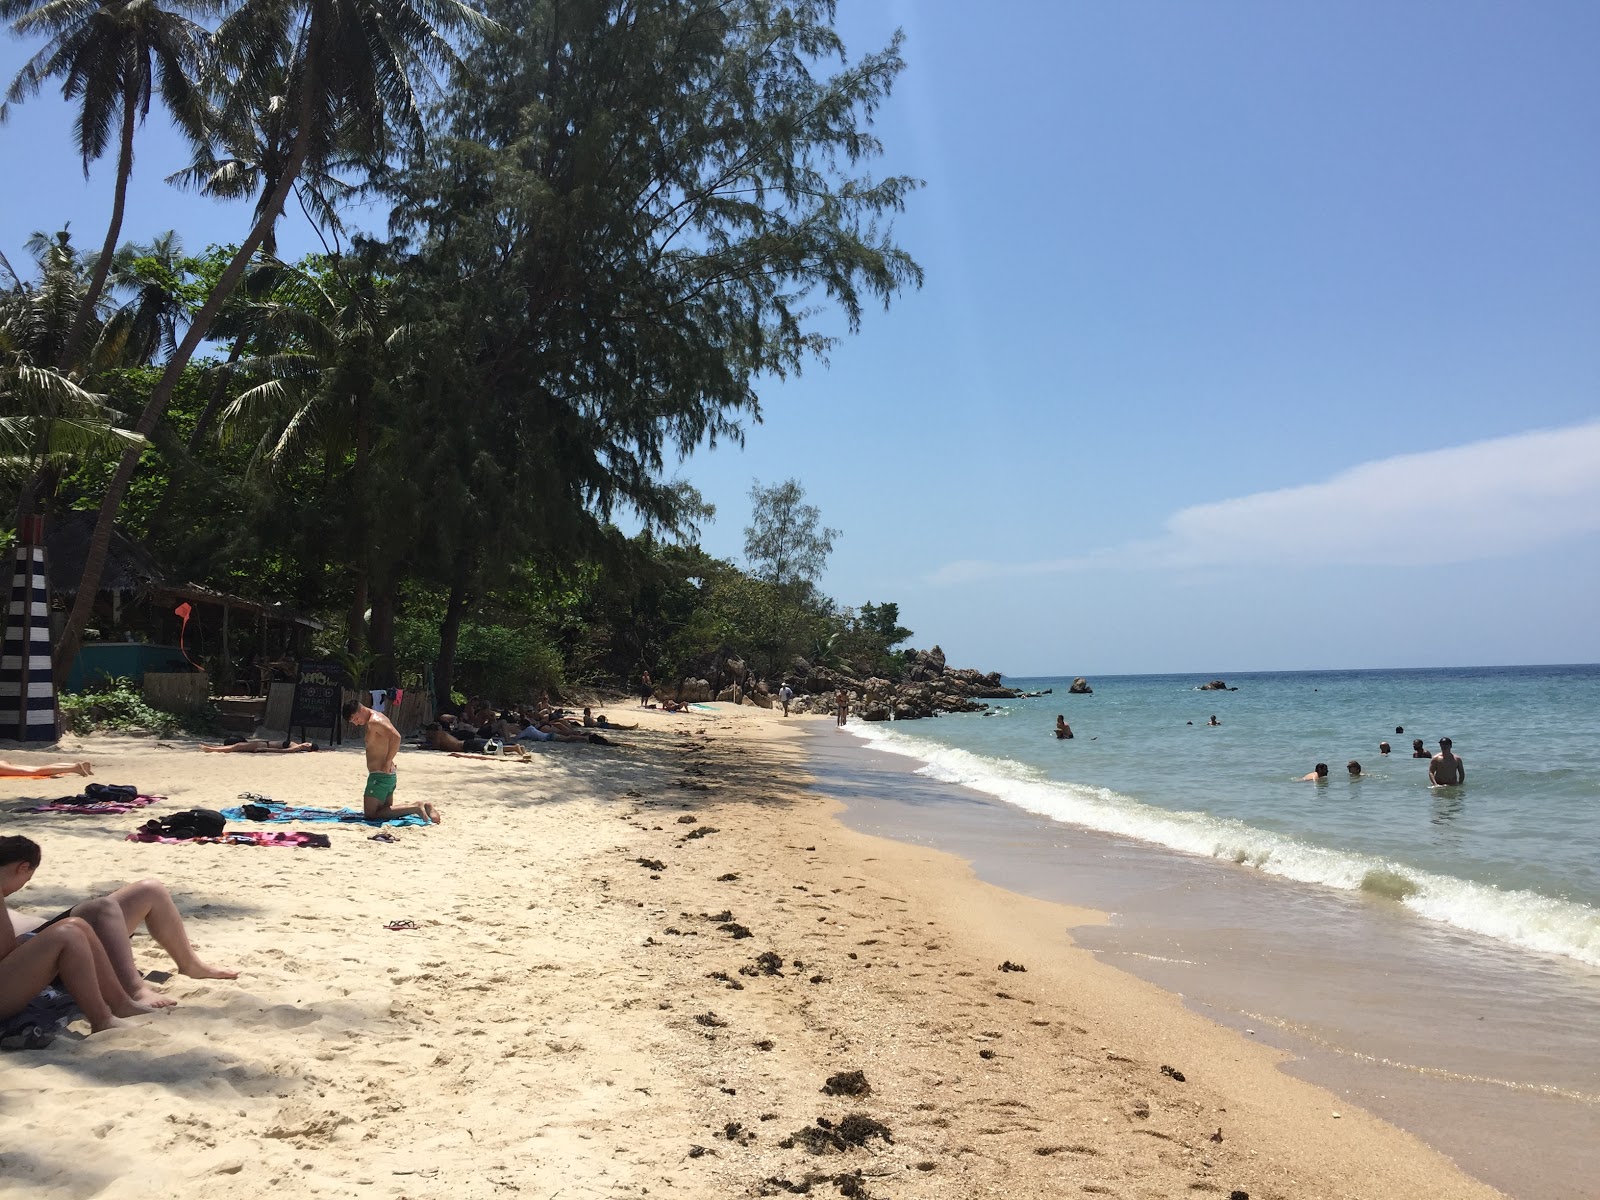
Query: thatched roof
[[129, 566]]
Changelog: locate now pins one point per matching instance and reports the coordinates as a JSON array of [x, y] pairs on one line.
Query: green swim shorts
[[380, 786]]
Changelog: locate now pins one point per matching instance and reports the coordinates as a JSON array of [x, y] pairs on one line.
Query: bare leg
[[148, 903], [382, 810], [65, 949], [50, 771]]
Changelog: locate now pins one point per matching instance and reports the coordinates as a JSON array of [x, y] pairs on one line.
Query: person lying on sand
[[65, 949], [383, 748], [114, 919], [49, 771], [1320, 775], [590, 721], [260, 746]]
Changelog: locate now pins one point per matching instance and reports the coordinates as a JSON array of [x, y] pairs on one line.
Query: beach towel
[[36, 1026], [275, 811], [82, 804], [293, 838]]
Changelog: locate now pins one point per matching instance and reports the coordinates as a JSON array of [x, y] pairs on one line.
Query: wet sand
[[1490, 1053], [653, 970]]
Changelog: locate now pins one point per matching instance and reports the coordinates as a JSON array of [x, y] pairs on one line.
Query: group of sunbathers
[[479, 729], [86, 948]]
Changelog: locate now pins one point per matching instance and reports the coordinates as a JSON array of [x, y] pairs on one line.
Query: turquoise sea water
[[1513, 854]]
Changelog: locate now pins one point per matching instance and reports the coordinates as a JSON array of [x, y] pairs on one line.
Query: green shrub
[[119, 704]]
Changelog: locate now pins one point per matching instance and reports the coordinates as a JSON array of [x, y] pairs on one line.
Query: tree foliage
[[786, 543], [609, 227]]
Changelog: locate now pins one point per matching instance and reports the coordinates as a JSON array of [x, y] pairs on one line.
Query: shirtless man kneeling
[[383, 747]]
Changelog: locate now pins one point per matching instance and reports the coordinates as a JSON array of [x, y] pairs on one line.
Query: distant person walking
[[646, 689], [841, 701], [785, 695], [1446, 769]]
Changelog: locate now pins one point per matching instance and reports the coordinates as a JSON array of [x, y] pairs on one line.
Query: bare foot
[[136, 1008], [85, 768], [153, 1000], [201, 971], [431, 813], [102, 1026]]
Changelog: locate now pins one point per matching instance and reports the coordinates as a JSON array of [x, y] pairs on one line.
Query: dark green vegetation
[[610, 222]]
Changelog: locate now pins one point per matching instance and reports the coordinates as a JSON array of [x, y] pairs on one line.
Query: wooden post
[[226, 673]]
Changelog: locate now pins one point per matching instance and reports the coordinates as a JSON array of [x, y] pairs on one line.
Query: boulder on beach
[[1080, 687]]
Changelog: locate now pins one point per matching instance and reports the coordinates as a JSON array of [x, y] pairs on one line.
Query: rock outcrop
[[929, 687], [1080, 687]]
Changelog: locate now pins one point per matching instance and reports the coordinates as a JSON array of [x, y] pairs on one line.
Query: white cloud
[[1462, 504]]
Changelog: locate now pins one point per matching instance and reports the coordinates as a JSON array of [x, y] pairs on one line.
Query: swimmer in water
[[1320, 775]]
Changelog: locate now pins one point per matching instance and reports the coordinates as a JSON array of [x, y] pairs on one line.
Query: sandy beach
[[663, 969]]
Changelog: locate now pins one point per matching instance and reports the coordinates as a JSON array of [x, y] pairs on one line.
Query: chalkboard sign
[[318, 697]]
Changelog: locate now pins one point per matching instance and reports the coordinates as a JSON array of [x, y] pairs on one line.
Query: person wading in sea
[[1446, 769]]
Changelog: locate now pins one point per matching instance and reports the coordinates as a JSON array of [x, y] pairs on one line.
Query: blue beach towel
[[347, 816]]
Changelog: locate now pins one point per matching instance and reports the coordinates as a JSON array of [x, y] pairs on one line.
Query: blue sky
[[1255, 336]]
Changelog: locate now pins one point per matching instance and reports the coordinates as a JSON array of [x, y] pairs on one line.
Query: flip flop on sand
[[383, 837], [398, 925]]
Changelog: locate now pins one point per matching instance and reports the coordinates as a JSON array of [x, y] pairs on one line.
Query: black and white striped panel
[[27, 686]]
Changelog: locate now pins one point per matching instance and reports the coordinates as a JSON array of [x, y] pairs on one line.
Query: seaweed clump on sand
[[847, 1083], [849, 1134], [766, 963]]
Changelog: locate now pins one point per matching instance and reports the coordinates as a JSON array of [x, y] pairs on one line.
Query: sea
[[1432, 953]]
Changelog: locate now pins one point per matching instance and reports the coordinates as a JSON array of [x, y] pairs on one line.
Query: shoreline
[[1484, 1050], [569, 1018]]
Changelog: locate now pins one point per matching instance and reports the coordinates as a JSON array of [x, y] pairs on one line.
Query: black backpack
[[191, 823]]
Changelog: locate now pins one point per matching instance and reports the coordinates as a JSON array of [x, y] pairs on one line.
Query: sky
[[1254, 336]]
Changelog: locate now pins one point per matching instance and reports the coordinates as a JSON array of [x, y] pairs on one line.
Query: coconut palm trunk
[[161, 396], [102, 266]]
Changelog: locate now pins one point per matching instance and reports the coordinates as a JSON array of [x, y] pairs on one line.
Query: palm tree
[[337, 352], [112, 58], [48, 419], [354, 70], [255, 146]]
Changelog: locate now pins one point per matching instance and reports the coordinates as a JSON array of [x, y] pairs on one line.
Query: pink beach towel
[[94, 806], [317, 841]]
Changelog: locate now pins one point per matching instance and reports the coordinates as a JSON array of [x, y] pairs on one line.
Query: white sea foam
[[1523, 918]]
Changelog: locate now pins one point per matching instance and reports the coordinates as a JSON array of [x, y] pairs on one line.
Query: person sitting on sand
[[259, 746], [48, 771], [114, 918], [65, 949], [1063, 730], [1320, 775], [1354, 768], [1446, 769], [383, 748], [1418, 750]]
